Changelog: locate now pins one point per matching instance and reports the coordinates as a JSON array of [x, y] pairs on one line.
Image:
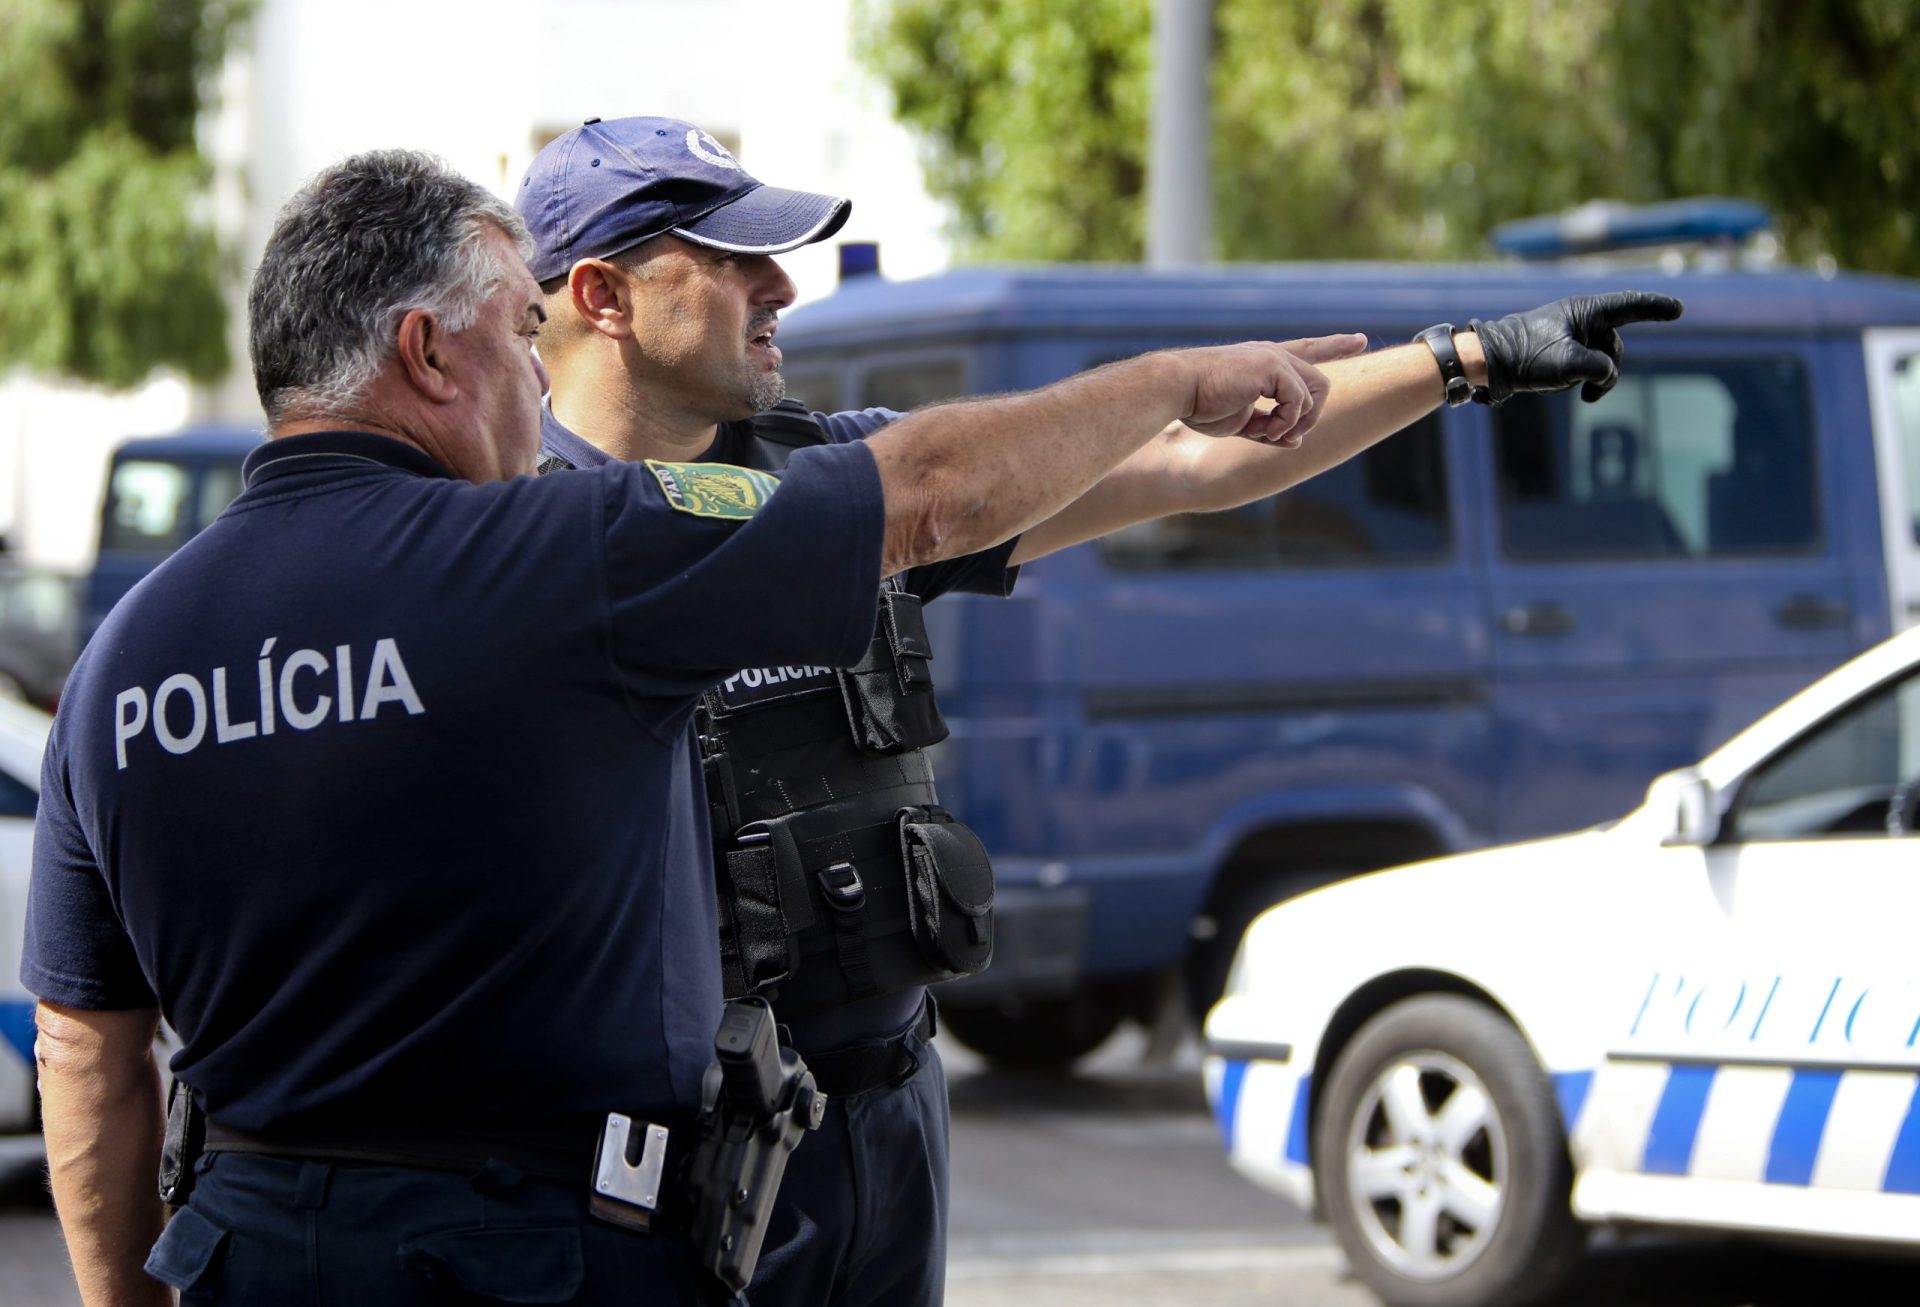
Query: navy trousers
[[862, 1215], [286, 1233]]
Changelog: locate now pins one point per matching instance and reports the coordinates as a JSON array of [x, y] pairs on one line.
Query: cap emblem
[[710, 150]]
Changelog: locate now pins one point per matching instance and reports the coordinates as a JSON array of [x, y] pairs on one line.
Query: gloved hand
[[1567, 341]]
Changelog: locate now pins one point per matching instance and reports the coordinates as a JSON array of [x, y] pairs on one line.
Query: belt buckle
[[843, 887], [627, 1170]]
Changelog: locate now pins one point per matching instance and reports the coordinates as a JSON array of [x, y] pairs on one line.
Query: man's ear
[[422, 347], [603, 297]]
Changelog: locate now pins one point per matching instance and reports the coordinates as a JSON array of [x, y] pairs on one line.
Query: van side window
[[1386, 507], [148, 507], [906, 386], [1906, 415], [1679, 460], [1855, 775], [220, 485]]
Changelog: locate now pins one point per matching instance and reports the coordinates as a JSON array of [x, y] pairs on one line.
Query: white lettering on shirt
[[182, 699]]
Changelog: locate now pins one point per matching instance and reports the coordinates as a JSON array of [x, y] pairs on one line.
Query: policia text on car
[[417, 961], [845, 887]]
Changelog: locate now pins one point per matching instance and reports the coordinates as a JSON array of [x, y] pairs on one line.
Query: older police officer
[[383, 788], [844, 888]]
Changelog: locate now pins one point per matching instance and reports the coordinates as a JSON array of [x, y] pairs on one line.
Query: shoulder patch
[[713, 489]]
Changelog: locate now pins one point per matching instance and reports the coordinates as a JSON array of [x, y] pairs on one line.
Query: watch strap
[[1453, 372]]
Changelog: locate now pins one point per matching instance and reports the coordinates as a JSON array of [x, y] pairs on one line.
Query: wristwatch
[[1459, 390]]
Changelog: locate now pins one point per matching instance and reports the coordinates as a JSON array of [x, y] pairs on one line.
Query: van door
[[1661, 572], [1320, 649], [1893, 390]]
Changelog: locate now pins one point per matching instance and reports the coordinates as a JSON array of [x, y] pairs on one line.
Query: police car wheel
[[1442, 1162]]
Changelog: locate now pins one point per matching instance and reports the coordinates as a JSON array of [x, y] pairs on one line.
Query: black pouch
[[889, 693], [949, 891]]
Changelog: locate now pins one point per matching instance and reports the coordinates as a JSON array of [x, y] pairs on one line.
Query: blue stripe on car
[[1297, 1131], [1571, 1087], [1232, 1077], [1797, 1130], [1676, 1121], [16, 1026], [1903, 1168]]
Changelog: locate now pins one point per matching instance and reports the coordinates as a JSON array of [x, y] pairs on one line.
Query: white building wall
[[484, 83]]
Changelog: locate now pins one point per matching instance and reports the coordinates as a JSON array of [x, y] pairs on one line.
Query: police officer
[[844, 888], [384, 790]]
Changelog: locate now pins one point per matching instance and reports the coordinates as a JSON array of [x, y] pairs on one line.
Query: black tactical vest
[[839, 876]]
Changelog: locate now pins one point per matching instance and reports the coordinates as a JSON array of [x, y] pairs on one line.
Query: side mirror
[[1686, 802]]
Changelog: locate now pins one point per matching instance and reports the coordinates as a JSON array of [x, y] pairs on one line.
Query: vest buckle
[[843, 887]]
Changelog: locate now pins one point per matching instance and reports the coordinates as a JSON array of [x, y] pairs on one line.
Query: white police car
[[1706, 1014], [23, 736]]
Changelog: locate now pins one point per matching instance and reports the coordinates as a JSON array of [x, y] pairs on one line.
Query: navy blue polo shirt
[[383, 787], [986, 572]]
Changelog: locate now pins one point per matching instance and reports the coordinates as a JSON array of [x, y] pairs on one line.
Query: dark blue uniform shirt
[[986, 572], [384, 784]]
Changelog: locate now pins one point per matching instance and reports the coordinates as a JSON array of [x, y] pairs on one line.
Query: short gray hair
[[358, 248]]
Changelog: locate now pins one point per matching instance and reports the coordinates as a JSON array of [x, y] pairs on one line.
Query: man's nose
[[774, 287]]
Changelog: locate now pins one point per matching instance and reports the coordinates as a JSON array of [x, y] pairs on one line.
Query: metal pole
[[1179, 172]]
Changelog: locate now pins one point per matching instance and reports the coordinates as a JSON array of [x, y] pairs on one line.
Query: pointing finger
[[1322, 349], [1626, 306]]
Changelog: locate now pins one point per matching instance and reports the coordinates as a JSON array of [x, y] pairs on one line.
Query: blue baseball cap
[[608, 185]]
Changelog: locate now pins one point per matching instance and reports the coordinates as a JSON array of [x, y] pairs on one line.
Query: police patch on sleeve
[[713, 489]]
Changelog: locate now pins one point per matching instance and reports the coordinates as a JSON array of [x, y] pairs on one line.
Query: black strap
[[568, 1164], [858, 1068]]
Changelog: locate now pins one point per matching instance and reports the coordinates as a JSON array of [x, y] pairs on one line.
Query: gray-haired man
[[384, 788]]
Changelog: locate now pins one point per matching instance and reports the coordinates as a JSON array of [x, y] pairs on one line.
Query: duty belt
[[860, 1068], [563, 1164]]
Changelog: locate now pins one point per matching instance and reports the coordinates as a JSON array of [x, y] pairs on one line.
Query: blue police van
[[160, 492], [1500, 623]]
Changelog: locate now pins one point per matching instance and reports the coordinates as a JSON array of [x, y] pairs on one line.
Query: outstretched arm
[[961, 477], [1569, 342]]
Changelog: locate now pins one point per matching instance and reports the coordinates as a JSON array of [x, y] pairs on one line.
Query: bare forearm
[[1371, 397], [961, 477], [103, 1122]]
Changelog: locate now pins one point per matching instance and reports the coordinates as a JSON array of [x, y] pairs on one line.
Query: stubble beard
[[767, 389]]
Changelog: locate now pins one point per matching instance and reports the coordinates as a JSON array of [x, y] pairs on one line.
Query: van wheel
[[1442, 1160], [1035, 1034]]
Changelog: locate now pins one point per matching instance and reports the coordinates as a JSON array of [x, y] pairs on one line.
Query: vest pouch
[[889, 693], [949, 891]]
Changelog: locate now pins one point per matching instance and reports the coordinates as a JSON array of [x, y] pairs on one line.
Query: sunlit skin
[[666, 343], [470, 399]]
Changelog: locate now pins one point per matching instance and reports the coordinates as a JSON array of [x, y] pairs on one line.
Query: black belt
[[563, 1163], [859, 1068]]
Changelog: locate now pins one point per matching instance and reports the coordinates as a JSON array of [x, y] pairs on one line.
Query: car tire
[[1441, 1159], [1035, 1034]]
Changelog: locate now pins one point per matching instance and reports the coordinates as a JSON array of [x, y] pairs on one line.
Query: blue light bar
[[1604, 225]]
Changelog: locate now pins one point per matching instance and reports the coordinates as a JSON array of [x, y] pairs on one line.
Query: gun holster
[[757, 1102], [180, 1148]]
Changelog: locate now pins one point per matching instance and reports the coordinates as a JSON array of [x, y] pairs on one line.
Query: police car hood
[[1515, 919]]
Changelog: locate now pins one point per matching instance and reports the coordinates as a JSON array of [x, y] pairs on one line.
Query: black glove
[[1567, 341]]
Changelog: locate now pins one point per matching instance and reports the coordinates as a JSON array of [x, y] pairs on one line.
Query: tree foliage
[[1407, 128], [109, 266]]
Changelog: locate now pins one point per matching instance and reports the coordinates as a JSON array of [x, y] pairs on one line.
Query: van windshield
[[154, 505]]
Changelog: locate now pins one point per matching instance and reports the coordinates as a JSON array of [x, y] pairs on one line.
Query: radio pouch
[[949, 891], [891, 706]]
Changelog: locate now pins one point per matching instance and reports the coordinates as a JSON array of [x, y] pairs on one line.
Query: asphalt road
[[1111, 1187]]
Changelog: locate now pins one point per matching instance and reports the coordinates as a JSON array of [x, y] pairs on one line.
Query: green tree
[[109, 266], [1407, 128], [1809, 106]]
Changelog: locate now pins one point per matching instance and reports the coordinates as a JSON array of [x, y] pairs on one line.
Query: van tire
[[1210, 960], [1420, 1053]]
